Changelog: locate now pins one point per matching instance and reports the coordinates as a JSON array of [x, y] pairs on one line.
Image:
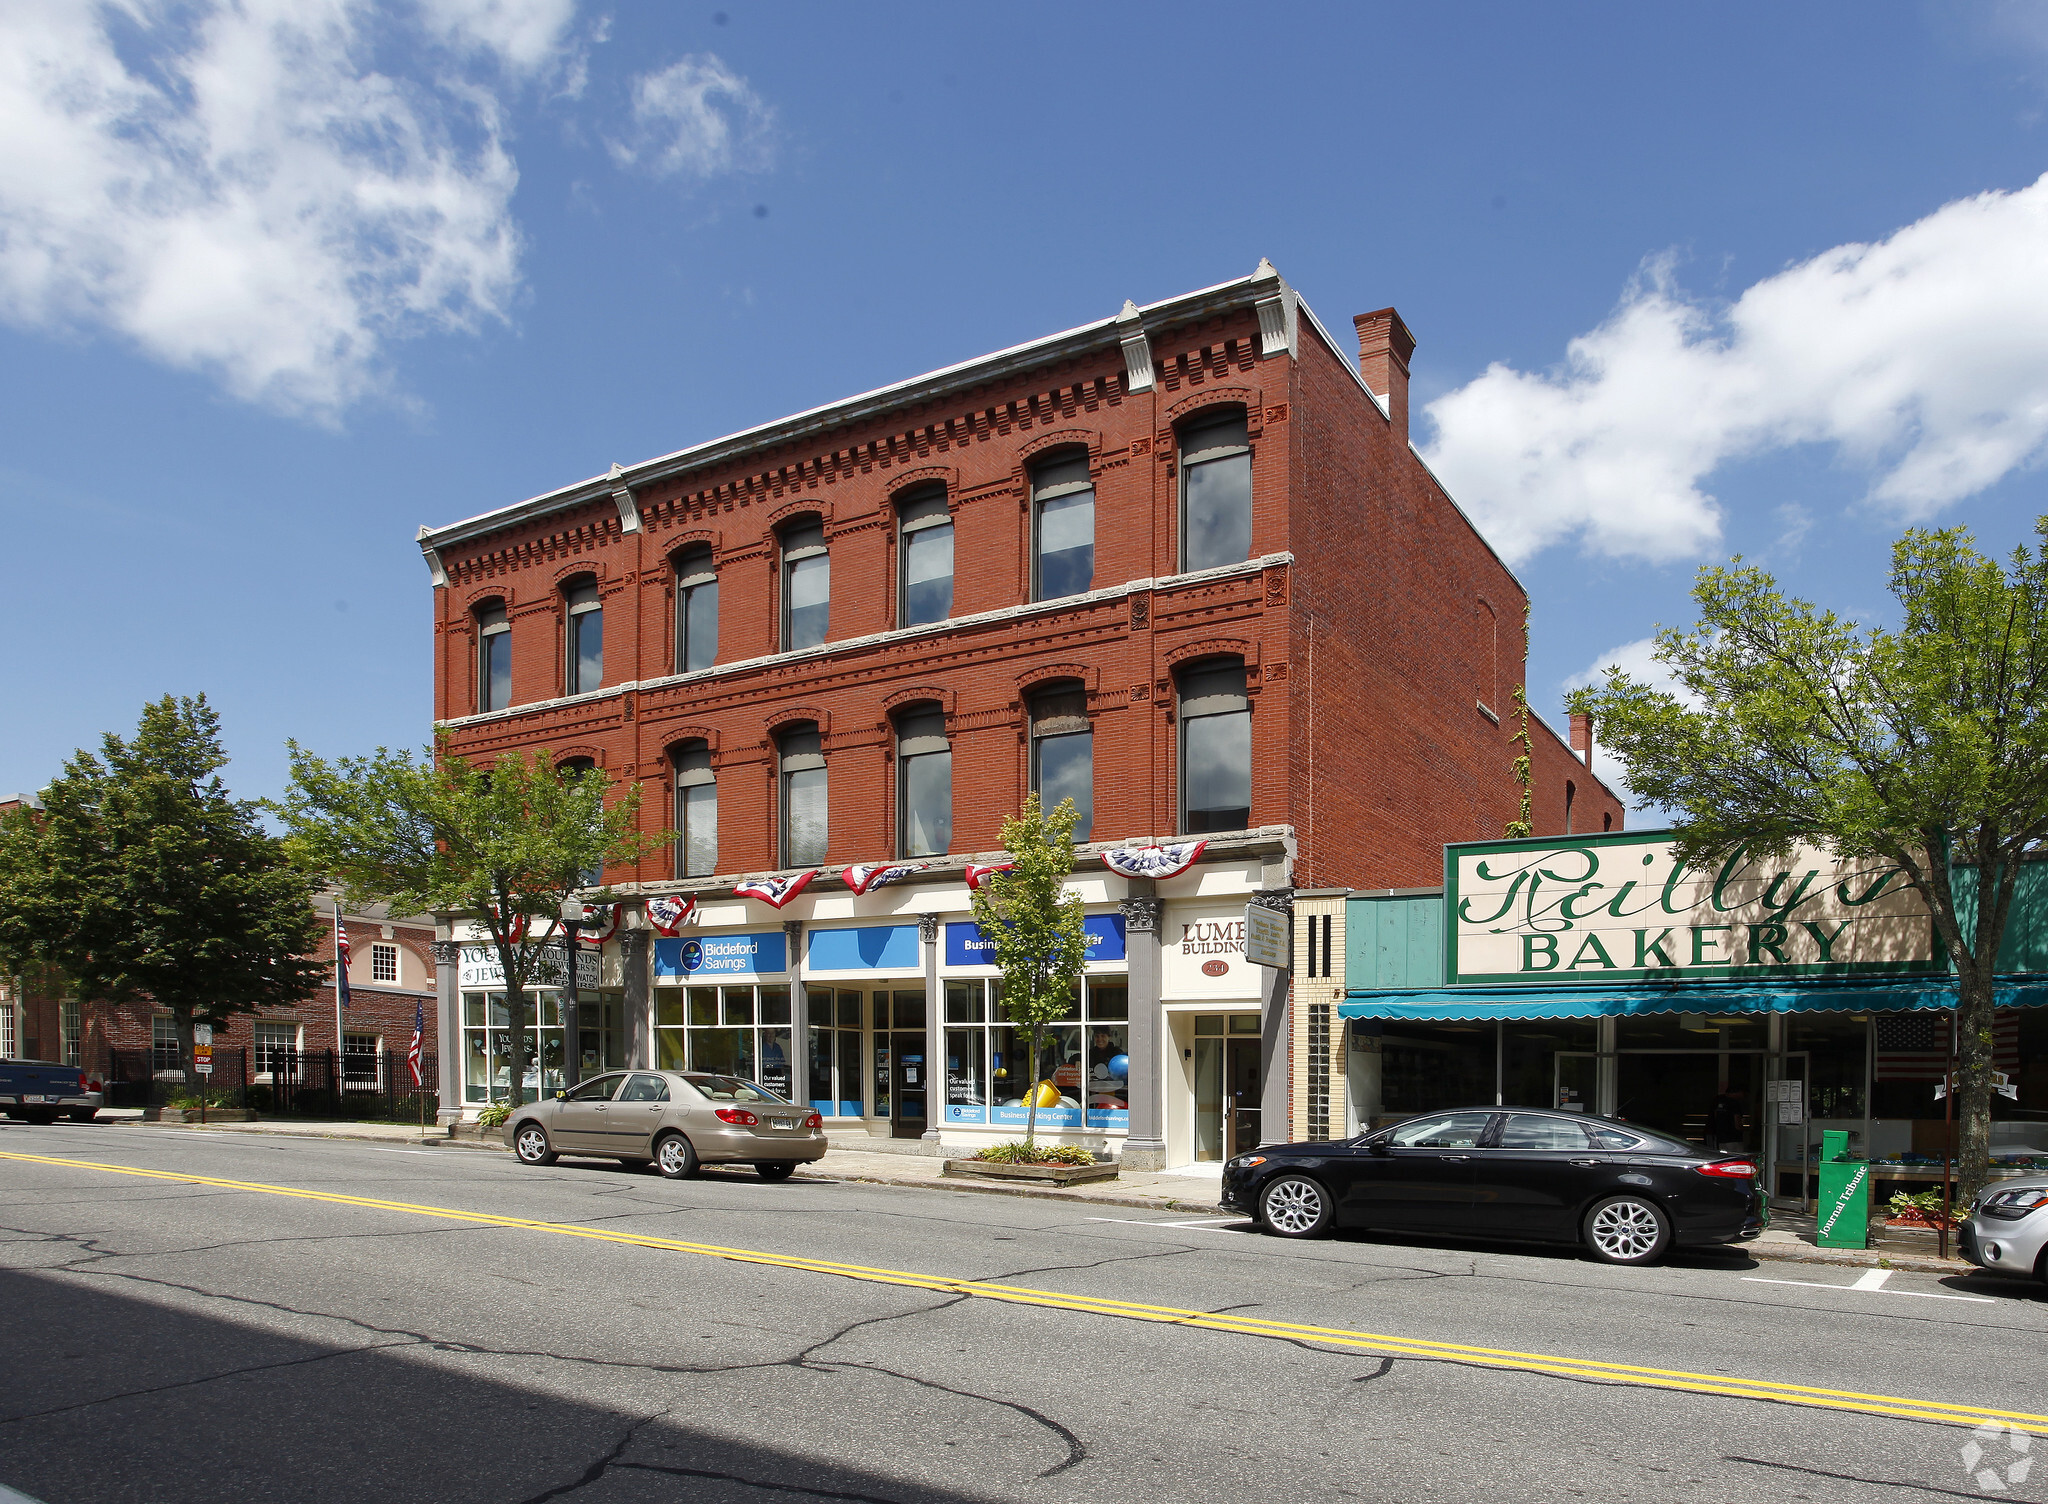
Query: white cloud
[[1634, 659], [696, 117], [233, 187], [1923, 358]]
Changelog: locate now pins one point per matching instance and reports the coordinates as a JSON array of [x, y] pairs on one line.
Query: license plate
[[31, 1099], [783, 1122]]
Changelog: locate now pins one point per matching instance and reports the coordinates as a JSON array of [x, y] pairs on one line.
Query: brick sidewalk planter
[[989, 1169]]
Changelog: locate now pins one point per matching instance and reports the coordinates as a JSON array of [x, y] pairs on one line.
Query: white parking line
[[1871, 1281]]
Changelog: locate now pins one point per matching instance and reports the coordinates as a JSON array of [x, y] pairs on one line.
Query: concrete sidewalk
[[1187, 1193]]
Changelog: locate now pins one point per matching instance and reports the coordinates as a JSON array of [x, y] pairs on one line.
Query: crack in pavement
[[1821, 1472], [602, 1465], [1386, 1367]]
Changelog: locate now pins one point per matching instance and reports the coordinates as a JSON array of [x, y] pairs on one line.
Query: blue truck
[[41, 1091]]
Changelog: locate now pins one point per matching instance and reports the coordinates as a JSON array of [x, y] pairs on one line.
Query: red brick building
[[1182, 563]]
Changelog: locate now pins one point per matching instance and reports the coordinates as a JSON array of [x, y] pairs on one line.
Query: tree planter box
[[191, 1115], [988, 1169]]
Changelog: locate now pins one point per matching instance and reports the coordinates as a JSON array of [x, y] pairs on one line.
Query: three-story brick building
[[1181, 565]]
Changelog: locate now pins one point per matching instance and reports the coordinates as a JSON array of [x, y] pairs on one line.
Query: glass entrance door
[[1242, 1058], [907, 1101], [1575, 1084], [1713, 1098]]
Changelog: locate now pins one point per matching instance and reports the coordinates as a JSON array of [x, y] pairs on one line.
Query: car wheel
[[83, 1114], [1295, 1207], [530, 1143], [776, 1169], [42, 1119], [1627, 1230], [674, 1158]]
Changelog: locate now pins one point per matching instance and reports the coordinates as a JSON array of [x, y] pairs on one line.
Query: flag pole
[[340, 991]]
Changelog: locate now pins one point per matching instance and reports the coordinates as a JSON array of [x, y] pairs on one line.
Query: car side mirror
[[560, 1095], [1378, 1146]]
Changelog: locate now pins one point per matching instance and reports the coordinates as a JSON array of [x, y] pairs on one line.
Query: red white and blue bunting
[[774, 891], [880, 874], [977, 874], [1154, 861], [600, 922], [517, 928], [667, 913]]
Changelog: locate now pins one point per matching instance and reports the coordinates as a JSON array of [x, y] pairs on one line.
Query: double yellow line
[[1339, 1338]]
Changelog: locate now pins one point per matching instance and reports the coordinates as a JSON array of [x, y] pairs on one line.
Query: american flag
[[412, 1051], [1915, 1046], [340, 958]]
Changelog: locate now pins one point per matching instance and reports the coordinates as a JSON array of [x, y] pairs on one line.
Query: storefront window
[[1423, 1067], [834, 1054], [1081, 1076], [737, 1031], [1551, 1062], [487, 1046]]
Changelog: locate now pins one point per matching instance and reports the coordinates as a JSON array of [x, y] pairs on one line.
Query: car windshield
[[732, 1089]]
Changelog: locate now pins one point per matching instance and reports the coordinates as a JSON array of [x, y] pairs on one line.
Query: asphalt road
[[173, 1340]]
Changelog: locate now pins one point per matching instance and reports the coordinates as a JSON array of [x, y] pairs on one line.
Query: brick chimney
[[1582, 736], [1384, 348]]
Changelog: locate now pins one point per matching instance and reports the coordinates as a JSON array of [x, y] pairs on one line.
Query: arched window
[[1215, 747], [1063, 752], [576, 767], [696, 610], [804, 825], [1063, 526], [924, 783], [1215, 490], [585, 668], [696, 810], [806, 586], [925, 530], [493, 657]]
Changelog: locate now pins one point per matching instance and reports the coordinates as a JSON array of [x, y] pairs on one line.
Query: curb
[[1037, 1193]]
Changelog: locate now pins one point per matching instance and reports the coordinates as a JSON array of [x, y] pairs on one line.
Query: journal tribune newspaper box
[[1844, 1195]]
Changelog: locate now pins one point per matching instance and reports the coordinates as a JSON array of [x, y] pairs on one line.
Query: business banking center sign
[[1622, 908]]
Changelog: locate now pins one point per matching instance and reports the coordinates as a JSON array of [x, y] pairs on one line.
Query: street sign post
[[1268, 937]]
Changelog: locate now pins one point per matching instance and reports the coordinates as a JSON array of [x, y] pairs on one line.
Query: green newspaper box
[[1844, 1195]]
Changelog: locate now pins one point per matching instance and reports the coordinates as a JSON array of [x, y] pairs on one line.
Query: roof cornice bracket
[[1130, 331], [622, 498], [1275, 304], [433, 558]]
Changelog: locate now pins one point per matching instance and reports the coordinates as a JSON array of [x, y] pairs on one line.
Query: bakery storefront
[[1749, 1006]]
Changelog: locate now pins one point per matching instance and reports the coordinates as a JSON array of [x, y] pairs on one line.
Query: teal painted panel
[[2025, 944], [1394, 942]]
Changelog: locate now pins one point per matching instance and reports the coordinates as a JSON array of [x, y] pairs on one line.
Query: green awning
[[1563, 1000]]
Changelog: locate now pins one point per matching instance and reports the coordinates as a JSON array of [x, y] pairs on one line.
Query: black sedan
[[1626, 1192]]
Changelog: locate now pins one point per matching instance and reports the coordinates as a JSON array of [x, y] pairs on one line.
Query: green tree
[[1925, 744], [1037, 928], [505, 846], [141, 878]]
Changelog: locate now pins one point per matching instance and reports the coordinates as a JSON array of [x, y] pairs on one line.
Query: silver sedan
[[2007, 1229], [674, 1120]]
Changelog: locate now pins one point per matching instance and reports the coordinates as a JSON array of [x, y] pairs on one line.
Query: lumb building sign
[[1623, 908]]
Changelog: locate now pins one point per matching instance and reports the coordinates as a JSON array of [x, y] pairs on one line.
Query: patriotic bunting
[[667, 913], [1154, 861], [977, 873], [880, 874], [600, 922], [774, 891]]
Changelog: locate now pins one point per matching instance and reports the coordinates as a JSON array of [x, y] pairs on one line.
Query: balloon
[[1120, 1065], [1048, 1095]]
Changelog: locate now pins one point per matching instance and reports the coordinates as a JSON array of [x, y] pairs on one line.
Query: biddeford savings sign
[[1621, 908]]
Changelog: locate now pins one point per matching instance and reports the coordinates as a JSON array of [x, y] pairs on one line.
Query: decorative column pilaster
[[448, 1030], [1276, 1039], [934, 1034], [636, 962], [1145, 1142], [799, 1014]]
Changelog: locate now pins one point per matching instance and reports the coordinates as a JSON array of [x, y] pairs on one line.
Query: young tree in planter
[[141, 878], [1036, 926], [1925, 745], [506, 845]]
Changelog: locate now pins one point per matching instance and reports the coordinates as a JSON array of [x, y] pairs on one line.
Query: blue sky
[[279, 282]]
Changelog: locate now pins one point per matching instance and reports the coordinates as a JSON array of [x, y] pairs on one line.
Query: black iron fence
[[286, 1083]]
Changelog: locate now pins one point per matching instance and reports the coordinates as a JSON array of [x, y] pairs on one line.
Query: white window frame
[[580, 598], [492, 621]]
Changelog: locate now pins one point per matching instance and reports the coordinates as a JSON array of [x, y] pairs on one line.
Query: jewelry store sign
[[481, 967], [1622, 908]]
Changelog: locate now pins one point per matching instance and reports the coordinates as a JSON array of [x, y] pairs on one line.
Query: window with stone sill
[[1215, 490]]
